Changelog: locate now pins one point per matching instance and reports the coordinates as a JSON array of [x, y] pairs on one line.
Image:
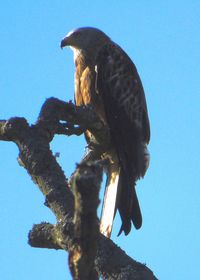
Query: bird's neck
[[76, 53], [87, 57], [83, 58]]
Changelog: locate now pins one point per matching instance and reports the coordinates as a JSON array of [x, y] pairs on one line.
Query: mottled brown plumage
[[107, 79]]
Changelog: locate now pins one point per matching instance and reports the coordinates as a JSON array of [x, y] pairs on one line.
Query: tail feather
[[128, 205], [109, 202], [136, 215], [119, 194]]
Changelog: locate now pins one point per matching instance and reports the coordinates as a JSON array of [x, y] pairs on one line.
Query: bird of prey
[[107, 79]]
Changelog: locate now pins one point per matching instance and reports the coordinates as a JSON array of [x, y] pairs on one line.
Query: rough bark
[[36, 157]]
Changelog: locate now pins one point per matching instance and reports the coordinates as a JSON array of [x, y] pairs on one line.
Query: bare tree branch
[[36, 157], [44, 235]]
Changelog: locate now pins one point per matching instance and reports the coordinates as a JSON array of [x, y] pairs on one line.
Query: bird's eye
[[77, 34]]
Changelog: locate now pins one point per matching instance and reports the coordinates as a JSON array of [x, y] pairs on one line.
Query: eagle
[[107, 80]]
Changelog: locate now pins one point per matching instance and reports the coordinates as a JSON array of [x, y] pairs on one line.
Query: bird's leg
[[90, 155]]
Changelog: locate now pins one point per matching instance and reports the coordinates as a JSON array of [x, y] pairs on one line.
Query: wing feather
[[124, 101]]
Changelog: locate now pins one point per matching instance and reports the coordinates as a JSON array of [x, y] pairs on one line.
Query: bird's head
[[84, 38]]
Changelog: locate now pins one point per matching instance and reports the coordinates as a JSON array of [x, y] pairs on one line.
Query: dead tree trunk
[[91, 255]]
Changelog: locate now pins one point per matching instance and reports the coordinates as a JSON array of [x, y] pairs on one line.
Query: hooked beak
[[65, 42]]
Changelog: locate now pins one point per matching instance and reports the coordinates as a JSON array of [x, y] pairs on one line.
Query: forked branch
[[58, 117]]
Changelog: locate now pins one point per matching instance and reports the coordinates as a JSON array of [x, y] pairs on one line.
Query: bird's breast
[[86, 87]]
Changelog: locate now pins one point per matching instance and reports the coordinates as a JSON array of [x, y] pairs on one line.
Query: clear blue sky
[[163, 39]]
